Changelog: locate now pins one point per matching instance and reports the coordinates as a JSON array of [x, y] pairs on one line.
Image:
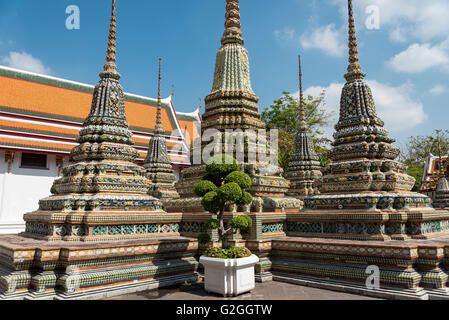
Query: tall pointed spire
[[159, 129], [157, 163], [233, 32], [354, 69], [302, 112], [110, 68], [304, 168]]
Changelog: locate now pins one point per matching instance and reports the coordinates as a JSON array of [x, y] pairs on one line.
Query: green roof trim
[[186, 117]]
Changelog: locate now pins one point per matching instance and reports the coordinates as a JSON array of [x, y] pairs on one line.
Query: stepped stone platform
[[37, 269], [415, 269], [101, 233]]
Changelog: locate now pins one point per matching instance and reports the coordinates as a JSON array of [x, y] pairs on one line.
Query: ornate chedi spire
[[441, 197], [304, 168], [233, 106], [365, 193], [103, 179], [360, 138], [159, 169], [354, 69], [232, 103]]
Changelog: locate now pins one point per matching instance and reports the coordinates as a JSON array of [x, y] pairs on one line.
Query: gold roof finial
[[110, 68], [354, 69], [233, 32], [159, 129], [302, 112], [173, 90]]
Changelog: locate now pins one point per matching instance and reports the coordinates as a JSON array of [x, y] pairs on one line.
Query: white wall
[[21, 190]]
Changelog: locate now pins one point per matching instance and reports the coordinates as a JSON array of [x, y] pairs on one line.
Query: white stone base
[[229, 277]]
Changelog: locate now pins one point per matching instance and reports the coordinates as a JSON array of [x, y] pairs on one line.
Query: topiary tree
[[224, 185]]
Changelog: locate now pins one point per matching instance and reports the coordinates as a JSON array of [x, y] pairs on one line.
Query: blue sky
[[406, 59]]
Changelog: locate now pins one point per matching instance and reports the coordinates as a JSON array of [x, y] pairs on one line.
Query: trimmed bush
[[211, 202], [222, 165], [204, 187], [244, 223], [241, 178], [204, 238], [212, 224], [230, 192], [246, 199], [217, 181]]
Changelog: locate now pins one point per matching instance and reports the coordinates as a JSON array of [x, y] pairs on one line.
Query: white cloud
[[325, 38], [25, 61], [423, 20], [398, 35], [394, 105], [420, 57], [438, 90], [285, 34]]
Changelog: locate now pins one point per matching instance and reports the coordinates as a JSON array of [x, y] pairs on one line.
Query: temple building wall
[[21, 189]]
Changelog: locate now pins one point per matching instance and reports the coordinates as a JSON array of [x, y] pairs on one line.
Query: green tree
[[284, 116], [224, 185], [419, 148]]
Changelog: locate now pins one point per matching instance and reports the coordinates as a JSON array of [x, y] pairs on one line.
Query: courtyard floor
[[263, 291]]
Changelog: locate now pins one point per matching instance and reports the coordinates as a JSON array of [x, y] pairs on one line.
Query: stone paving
[[263, 291]]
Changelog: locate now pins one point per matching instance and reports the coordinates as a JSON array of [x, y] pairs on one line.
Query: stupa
[[100, 234], [365, 192], [159, 169], [304, 168], [366, 233], [233, 106]]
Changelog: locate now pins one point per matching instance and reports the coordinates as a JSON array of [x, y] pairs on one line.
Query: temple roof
[[44, 114]]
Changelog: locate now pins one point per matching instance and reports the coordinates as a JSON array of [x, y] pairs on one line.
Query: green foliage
[[243, 223], [221, 165], [212, 224], [241, 178], [204, 238], [416, 170], [216, 195], [204, 187], [419, 148], [211, 202], [231, 253], [246, 199], [284, 116], [217, 180], [230, 192]]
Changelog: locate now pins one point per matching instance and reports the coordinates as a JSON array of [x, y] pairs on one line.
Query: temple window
[[34, 161]]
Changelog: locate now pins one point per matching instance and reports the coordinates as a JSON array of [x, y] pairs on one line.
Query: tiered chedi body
[[103, 194], [365, 193], [441, 196], [159, 169], [304, 168], [232, 105]]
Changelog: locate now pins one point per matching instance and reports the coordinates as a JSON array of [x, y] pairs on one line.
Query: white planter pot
[[229, 277]]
